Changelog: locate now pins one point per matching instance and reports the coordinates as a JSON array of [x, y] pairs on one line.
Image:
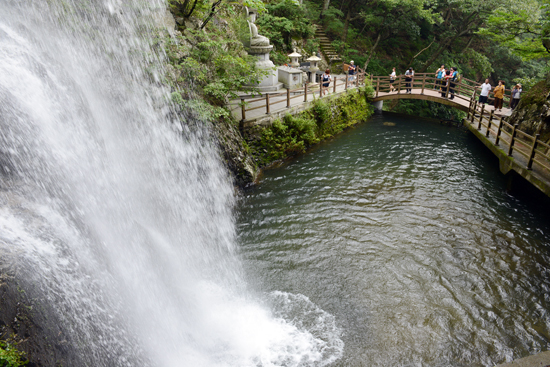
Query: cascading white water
[[121, 217]]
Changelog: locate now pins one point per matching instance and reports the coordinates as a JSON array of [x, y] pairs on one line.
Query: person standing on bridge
[[325, 81], [409, 74], [439, 76], [485, 89], [446, 81], [392, 79], [452, 81], [499, 95], [516, 92]]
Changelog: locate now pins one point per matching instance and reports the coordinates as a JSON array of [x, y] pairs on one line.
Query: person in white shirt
[[392, 79], [409, 74], [485, 89]]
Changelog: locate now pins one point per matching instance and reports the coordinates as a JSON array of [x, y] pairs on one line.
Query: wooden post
[[399, 85], [448, 88], [243, 109], [423, 83], [489, 124], [474, 112], [346, 85], [288, 98], [267, 103], [320, 89], [512, 141], [481, 117], [532, 154], [334, 87], [305, 93], [498, 130], [377, 85]]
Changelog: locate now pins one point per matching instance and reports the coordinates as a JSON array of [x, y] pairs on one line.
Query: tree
[[523, 27]]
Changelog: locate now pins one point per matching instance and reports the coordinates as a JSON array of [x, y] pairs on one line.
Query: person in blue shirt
[[439, 73], [452, 81]]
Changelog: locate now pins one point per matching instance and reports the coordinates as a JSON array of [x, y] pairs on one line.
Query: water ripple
[[406, 236]]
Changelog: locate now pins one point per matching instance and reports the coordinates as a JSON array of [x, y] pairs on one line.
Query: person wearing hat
[[516, 92], [409, 74], [351, 71]]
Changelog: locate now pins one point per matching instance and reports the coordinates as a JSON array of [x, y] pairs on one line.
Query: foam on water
[[119, 216]]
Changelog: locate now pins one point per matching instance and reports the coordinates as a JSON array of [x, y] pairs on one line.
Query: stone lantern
[[313, 60], [294, 59], [313, 68]]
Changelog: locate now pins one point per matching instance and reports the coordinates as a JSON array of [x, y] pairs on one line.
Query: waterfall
[[116, 214]]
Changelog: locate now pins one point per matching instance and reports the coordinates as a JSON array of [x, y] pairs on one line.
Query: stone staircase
[[326, 48]]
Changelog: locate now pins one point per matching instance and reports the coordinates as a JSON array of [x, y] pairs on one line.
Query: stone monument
[[260, 48]]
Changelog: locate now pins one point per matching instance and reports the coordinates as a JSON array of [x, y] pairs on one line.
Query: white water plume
[[120, 216]]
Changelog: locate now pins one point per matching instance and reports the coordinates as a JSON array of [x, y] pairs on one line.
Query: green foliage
[[10, 356], [327, 117], [526, 83], [519, 26], [537, 94], [286, 20], [480, 64], [426, 109], [185, 8], [216, 65], [259, 5], [311, 46]]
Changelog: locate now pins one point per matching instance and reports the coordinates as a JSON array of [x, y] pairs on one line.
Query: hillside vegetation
[[500, 40]]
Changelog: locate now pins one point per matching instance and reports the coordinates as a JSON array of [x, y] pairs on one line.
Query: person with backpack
[[452, 81], [439, 73], [325, 79]]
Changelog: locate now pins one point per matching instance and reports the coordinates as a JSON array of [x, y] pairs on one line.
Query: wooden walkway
[[251, 108]]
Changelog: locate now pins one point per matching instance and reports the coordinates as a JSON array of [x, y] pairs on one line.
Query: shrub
[[10, 356]]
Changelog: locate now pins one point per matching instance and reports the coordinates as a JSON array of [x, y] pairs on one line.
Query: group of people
[[446, 80], [498, 93], [326, 78]]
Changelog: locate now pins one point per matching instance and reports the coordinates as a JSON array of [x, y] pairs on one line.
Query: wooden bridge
[[517, 151]]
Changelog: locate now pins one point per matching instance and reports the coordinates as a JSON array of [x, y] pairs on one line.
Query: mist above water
[[119, 216]]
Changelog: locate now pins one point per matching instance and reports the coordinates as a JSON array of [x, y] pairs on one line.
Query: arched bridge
[[460, 94]]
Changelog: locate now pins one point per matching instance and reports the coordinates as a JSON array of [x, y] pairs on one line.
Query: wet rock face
[[27, 322], [533, 112], [236, 157]]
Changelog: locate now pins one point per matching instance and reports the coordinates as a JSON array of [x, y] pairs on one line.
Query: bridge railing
[[283, 99], [535, 151], [465, 89]]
